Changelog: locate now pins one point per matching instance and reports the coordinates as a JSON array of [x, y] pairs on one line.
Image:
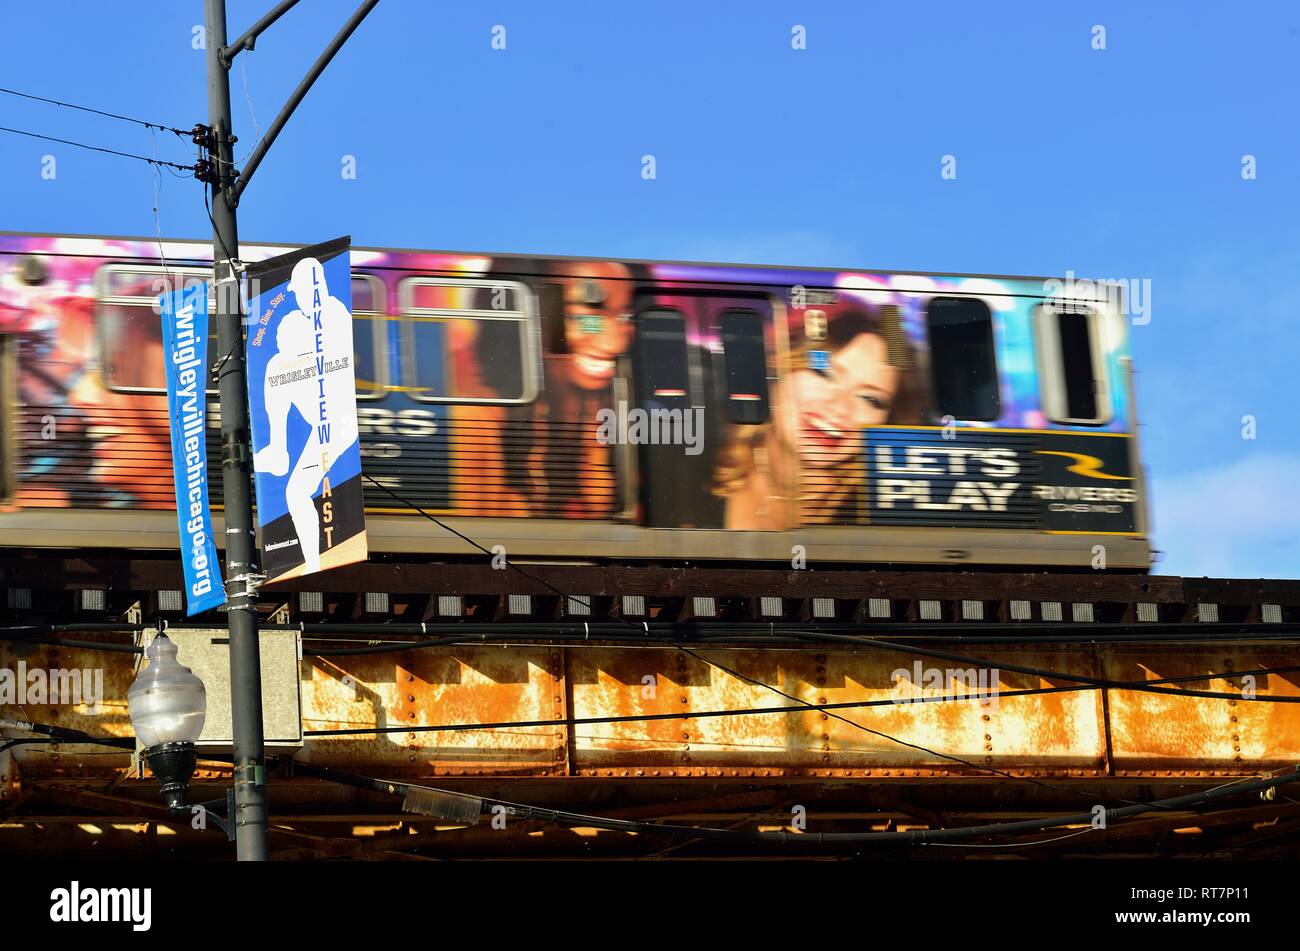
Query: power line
[[698, 632], [257, 133], [231, 263], [1082, 684], [464, 634], [1037, 671], [98, 112], [98, 148], [547, 633], [722, 667], [157, 201], [1013, 845], [645, 630], [802, 706], [107, 646], [413, 792], [710, 631]]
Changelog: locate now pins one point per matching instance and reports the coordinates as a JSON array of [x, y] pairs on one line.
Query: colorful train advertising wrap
[[669, 396]]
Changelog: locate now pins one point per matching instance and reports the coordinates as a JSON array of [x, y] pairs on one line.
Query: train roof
[[523, 255]]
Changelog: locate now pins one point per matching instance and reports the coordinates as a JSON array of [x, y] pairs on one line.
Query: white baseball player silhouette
[[312, 372]]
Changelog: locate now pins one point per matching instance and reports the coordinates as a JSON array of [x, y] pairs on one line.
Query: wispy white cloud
[[1241, 519]]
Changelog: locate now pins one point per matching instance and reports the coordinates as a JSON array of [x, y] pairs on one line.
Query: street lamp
[[168, 706]]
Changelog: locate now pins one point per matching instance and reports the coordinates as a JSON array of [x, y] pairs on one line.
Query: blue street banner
[[185, 349], [302, 405]]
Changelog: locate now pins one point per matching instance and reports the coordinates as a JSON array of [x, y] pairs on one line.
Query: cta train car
[[574, 409]]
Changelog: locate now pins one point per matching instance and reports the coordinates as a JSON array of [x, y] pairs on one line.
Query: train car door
[[701, 366]]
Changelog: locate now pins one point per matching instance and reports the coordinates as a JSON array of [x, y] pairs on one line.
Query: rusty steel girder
[[1085, 734]]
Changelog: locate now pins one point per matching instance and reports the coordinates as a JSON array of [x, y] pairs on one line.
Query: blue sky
[[1117, 163]]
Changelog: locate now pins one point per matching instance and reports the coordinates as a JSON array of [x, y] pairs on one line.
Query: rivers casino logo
[[1056, 482]]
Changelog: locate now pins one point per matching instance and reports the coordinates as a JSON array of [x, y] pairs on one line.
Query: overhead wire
[[98, 148], [248, 99], [99, 112], [801, 706], [724, 668], [1082, 683], [760, 711], [157, 201], [1034, 671], [828, 710], [36, 634], [707, 714], [915, 836], [156, 162]]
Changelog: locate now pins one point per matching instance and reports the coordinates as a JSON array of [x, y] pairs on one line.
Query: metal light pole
[[249, 814], [249, 819]]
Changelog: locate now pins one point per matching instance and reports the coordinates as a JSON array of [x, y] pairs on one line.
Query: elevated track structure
[[811, 701]]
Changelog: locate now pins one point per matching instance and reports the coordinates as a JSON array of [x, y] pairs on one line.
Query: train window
[[367, 294], [147, 281], [962, 364], [1076, 365], [369, 332], [130, 332], [129, 328], [1070, 365], [661, 351], [469, 341], [131, 342], [744, 354]]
